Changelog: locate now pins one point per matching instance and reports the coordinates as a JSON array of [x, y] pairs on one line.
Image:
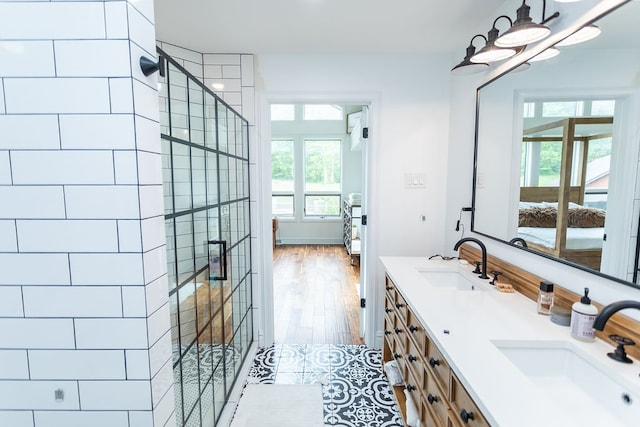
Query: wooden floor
[[315, 297]]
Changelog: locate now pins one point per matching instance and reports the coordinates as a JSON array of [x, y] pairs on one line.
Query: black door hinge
[[363, 220], [365, 132], [363, 303]]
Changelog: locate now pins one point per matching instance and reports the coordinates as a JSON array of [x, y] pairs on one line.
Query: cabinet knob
[[399, 305], [389, 288], [410, 387], [466, 416], [387, 332], [397, 356], [398, 330], [432, 399], [388, 310], [412, 358], [413, 328], [433, 362]]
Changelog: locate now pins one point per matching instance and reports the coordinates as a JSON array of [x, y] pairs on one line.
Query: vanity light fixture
[[490, 52], [545, 54], [582, 35], [466, 66], [524, 31]]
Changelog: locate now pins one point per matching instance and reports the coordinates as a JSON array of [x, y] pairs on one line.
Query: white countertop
[[474, 319]]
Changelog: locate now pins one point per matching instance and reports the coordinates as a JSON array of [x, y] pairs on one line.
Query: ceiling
[[322, 26]]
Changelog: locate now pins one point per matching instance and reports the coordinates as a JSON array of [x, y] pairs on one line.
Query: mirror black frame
[[542, 254]]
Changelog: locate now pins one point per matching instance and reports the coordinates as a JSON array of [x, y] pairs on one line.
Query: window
[[322, 177], [603, 108], [322, 112], [529, 110], [282, 177], [562, 108], [283, 112]]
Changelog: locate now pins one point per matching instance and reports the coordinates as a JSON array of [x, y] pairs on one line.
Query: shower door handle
[[223, 255]]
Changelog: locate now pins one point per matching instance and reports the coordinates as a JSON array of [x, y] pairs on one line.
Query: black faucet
[[610, 310], [520, 240], [483, 249]]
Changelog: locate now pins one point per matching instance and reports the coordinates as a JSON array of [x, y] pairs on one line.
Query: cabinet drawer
[[401, 307], [389, 323], [415, 364], [435, 399], [439, 367], [464, 408], [415, 389], [390, 289], [416, 332]]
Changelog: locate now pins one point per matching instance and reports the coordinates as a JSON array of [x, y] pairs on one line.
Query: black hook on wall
[[148, 66]]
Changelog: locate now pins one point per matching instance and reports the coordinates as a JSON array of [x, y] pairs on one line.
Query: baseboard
[[309, 242]]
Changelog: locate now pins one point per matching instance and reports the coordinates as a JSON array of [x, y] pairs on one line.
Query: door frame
[[261, 187]]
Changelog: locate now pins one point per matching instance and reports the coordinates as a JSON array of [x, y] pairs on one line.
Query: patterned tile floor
[[355, 391]]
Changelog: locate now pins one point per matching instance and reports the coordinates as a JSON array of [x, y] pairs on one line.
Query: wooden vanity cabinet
[[440, 399]]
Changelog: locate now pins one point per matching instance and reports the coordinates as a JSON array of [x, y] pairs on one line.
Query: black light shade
[[490, 52], [467, 67], [523, 31]]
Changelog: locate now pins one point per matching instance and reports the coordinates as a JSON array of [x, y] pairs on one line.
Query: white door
[[364, 120]]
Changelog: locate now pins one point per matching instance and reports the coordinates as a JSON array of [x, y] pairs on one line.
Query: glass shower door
[[207, 252]]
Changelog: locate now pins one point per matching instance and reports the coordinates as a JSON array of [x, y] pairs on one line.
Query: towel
[[393, 373], [413, 419]]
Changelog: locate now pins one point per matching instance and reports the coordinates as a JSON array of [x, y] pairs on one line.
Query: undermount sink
[[450, 279], [576, 381]]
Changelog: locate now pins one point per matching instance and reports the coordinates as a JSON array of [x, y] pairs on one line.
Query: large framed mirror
[[557, 156]]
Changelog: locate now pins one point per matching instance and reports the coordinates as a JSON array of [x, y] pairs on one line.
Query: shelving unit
[[351, 214]]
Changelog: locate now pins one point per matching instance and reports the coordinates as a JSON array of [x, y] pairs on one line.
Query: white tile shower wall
[[33, 59], [82, 419], [73, 295], [43, 132]]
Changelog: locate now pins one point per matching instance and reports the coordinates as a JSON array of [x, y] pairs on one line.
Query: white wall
[[409, 96], [460, 163], [83, 292]]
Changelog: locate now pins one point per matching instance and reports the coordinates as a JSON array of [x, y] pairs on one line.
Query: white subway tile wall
[[99, 58], [16, 418], [82, 419], [115, 395], [77, 364], [5, 168], [11, 302], [42, 135], [80, 135], [97, 131], [121, 95], [14, 366]]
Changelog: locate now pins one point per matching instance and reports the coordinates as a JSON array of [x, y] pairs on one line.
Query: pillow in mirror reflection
[[544, 217], [586, 217]]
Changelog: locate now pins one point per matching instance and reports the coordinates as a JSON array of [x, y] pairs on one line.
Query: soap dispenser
[[583, 313]]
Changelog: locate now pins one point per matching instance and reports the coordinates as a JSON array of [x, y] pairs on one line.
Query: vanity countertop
[[475, 320]]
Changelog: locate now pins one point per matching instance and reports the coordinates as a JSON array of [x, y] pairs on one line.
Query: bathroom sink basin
[[576, 381], [450, 279]]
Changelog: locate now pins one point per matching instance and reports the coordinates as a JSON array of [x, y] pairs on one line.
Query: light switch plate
[[415, 180]]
